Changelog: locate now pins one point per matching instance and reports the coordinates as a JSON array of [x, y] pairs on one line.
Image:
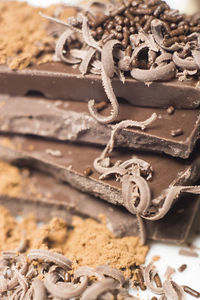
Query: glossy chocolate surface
[[71, 121], [60, 81], [73, 159]]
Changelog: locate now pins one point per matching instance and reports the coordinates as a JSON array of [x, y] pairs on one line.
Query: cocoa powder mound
[[86, 243], [24, 39]]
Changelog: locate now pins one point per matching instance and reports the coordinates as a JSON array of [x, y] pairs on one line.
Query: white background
[[168, 253]]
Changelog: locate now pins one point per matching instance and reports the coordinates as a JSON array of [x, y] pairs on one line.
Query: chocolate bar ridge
[[70, 121], [64, 161], [60, 81], [64, 201]]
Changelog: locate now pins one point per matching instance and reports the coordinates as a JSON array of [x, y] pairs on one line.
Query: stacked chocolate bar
[[142, 154]]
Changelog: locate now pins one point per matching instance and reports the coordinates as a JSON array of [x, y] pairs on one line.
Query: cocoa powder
[[85, 242], [24, 40]]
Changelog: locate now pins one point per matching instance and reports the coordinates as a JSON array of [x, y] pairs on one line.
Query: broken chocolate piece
[[64, 201], [70, 166], [70, 121], [60, 81]]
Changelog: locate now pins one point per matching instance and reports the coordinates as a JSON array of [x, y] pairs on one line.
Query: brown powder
[[88, 243], [10, 180], [23, 38]]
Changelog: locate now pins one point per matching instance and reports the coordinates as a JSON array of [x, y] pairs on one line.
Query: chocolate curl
[[156, 28], [65, 290], [187, 63], [160, 73], [59, 50]]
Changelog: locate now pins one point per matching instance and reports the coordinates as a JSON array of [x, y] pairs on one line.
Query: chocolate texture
[[60, 81], [61, 200], [68, 161], [70, 121]]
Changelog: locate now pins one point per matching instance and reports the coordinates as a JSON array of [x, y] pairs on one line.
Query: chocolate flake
[[176, 132], [191, 291], [182, 268], [188, 252]]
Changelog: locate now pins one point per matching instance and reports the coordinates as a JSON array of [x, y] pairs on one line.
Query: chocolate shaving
[[169, 272], [87, 271], [86, 60], [48, 256], [39, 291], [99, 288], [185, 64], [59, 50], [87, 34], [160, 73], [172, 290], [188, 252], [66, 290], [182, 268], [191, 291], [113, 273], [107, 57], [147, 278], [157, 31], [111, 96]]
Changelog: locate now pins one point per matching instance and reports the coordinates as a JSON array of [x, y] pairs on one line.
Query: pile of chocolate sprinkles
[[42, 274], [145, 39]]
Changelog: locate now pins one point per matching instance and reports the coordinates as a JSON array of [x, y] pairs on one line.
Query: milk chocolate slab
[[70, 121], [61, 200], [61, 81], [68, 162]]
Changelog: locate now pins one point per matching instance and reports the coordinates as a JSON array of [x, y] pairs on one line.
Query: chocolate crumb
[[140, 279], [188, 252], [155, 258], [170, 110], [157, 280], [154, 298], [176, 132], [191, 291], [55, 153], [182, 268], [87, 172]]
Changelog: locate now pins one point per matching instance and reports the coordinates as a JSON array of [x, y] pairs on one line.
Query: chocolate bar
[[60, 81], [70, 121], [68, 162], [63, 201]]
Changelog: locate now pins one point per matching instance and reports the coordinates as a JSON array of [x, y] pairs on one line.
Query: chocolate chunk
[[61, 200], [70, 121], [70, 166], [61, 81]]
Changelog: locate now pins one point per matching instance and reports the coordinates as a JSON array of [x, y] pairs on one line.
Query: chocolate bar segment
[[60, 81], [68, 162], [63, 201], [70, 121]]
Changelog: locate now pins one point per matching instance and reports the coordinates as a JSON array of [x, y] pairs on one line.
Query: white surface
[[168, 253], [178, 4]]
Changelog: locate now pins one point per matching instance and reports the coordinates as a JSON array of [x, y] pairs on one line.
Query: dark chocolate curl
[[111, 96], [161, 73], [66, 290], [156, 28], [185, 63], [113, 273], [99, 288], [59, 51], [196, 56], [107, 57]]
